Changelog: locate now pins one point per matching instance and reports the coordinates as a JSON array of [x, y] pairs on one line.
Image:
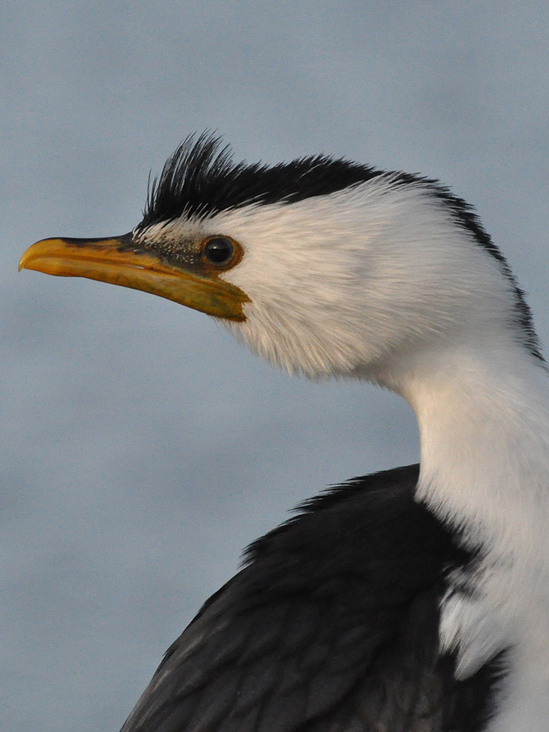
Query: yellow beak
[[114, 261]]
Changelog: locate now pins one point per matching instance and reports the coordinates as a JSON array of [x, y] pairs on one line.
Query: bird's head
[[322, 266]]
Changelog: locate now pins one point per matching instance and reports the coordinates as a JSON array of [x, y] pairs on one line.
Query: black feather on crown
[[201, 178]]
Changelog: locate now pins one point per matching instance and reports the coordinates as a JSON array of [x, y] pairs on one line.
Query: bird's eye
[[219, 251]]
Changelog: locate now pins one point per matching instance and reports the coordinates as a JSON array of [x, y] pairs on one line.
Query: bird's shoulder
[[331, 625]]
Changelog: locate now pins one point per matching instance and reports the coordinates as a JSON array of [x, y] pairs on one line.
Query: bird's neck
[[483, 416]]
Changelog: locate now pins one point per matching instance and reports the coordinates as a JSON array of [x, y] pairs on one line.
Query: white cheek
[[339, 282]]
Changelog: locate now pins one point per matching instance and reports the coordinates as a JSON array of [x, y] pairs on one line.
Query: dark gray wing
[[332, 627]]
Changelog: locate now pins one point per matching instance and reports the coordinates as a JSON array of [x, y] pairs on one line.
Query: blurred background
[[142, 449]]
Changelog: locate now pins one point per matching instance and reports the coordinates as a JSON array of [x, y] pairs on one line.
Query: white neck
[[483, 415], [484, 425]]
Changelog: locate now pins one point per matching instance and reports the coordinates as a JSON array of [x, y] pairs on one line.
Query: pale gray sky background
[[141, 447]]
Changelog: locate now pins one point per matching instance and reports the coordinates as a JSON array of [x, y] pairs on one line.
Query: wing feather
[[333, 626]]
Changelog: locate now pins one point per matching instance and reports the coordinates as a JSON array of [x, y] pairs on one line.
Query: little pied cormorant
[[413, 600]]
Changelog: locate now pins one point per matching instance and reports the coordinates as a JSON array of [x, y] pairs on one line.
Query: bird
[[409, 600]]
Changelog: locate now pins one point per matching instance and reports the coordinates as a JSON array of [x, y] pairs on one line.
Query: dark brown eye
[[219, 251]]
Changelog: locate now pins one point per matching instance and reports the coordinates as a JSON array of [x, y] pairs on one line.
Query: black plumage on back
[[332, 626]]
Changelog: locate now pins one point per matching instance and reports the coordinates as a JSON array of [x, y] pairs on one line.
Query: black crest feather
[[201, 178]]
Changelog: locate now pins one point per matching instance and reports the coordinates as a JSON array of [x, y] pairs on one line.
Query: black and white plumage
[[414, 600]]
